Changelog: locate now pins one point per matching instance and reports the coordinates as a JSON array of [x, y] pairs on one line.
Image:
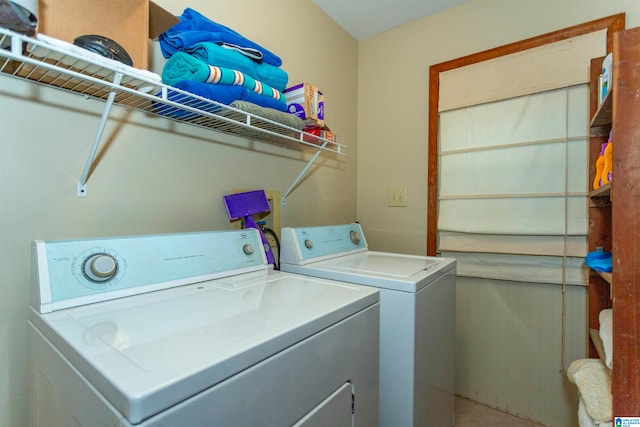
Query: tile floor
[[473, 414]]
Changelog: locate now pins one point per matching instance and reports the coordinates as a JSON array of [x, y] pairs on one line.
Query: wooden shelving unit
[[614, 219]]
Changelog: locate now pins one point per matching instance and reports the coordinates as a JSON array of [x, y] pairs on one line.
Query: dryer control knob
[[308, 243], [247, 249], [355, 237], [100, 267]]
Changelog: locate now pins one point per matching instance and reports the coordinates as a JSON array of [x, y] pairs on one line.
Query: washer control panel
[[305, 243], [76, 272]]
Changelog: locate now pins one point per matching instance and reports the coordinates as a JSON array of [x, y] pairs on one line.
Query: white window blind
[[556, 65], [513, 186]]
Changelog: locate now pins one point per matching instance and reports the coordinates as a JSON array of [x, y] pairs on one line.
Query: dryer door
[[335, 410]]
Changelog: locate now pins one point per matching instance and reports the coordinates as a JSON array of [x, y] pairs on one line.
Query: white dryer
[[417, 317], [195, 329]]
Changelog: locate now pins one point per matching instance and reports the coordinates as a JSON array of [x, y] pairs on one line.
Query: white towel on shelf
[[594, 387], [606, 335], [584, 420]]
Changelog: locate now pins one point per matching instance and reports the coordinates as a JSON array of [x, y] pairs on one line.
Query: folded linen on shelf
[[594, 387], [232, 96], [269, 113], [185, 101], [195, 28], [226, 94], [182, 66], [599, 261], [584, 420], [606, 335], [213, 54]]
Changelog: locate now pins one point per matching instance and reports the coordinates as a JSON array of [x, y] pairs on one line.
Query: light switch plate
[[397, 196]]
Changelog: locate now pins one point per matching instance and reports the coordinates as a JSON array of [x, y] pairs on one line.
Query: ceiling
[[365, 18]]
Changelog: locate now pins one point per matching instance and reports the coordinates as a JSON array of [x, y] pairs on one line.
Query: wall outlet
[[397, 196]]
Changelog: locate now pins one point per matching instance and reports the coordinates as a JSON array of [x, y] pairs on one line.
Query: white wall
[[510, 349], [155, 176], [393, 77]]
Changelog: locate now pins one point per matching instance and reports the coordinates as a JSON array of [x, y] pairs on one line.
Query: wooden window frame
[[611, 23]]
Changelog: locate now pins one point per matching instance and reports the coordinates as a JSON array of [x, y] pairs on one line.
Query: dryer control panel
[[301, 245], [75, 272]]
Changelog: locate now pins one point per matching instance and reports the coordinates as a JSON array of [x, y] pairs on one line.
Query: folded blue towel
[[599, 261], [195, 28], [182, 66], [226, 94], [187, 101], [213, 54]]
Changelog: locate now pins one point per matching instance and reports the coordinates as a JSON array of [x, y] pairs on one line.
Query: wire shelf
[[52, 63], [42, 63]]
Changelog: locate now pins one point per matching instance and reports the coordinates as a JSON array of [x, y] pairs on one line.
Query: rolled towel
[[584, 420], [594, 387], [213, 54], [606, 335], [269, 113], [195, 28], [182, 66]]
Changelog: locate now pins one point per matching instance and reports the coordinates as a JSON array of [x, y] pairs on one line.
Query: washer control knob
[[355, 237], [308, 243], [100, 267], [247, 249]]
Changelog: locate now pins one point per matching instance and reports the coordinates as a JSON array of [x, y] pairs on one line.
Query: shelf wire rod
[[303, 173], [82, 185]]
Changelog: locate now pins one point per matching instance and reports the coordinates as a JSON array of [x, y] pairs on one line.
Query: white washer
[[195, 329], [417, 317]]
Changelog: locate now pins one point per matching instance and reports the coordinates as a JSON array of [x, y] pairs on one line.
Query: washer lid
[[408, 273], [148, 352], [374, 263]]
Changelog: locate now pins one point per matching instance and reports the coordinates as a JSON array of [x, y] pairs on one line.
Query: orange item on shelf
[[607, 171], [597, 180]]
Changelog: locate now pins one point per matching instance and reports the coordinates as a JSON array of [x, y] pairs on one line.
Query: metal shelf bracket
[[82, 185], [303, 173]]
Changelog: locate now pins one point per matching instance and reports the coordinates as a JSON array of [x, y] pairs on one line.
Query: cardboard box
[[307, 102], [323, 132], [328, 135], [131, 23]]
